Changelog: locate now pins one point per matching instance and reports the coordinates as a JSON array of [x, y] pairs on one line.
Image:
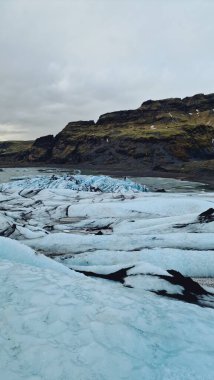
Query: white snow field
[[112, 304]]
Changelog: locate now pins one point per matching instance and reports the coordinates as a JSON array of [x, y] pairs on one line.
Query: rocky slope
[[161, 135]]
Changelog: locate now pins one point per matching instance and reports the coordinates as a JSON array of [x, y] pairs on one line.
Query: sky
[[68, 60]]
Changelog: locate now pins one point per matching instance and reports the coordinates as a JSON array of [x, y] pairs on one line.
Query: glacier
[[77, 182], [96, 281]]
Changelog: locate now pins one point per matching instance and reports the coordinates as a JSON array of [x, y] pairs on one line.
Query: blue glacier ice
[[78, 182]]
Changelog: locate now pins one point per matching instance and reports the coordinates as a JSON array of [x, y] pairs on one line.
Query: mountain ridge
[[164, 135]]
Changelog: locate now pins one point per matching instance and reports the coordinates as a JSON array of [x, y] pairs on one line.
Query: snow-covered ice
[[111, 305], [76, 182], [55, 326]]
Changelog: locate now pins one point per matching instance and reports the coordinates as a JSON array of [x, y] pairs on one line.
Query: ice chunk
[[77, 183]]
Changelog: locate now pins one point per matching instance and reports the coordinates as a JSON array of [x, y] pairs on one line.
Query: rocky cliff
[[159, 135]]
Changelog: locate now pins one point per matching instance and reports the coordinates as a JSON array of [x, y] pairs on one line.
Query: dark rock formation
[[191, 292], [41, 149], [160, 135], [67, 144], [206, 216], [44, 142], [156, 134]]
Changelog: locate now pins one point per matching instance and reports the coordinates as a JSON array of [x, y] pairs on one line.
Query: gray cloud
[[11, 132], [68, 60]]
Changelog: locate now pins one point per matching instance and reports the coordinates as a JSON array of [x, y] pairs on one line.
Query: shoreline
[[117, 171]]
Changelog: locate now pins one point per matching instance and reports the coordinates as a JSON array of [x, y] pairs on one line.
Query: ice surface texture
[[56, 326], [77, 182], [59, 324]]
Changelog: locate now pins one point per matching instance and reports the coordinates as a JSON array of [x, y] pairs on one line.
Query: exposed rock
[[67, 144], [42, 148], [191, 292], [44, 142], [14, 151], [156, 134], [206, 216], [160, 135]]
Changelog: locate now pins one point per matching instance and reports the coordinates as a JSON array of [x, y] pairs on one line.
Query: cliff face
[[158, 134], [41, 149], [14, 151]]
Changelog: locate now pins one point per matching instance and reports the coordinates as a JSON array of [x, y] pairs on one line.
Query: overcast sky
[[67, 60]]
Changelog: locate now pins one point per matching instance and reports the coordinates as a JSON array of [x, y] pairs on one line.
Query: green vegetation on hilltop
[[13, 147], [161, 133]]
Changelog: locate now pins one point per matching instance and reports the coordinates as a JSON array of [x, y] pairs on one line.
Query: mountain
[[161, 135]]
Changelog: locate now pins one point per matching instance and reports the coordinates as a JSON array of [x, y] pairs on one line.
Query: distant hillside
[[14, 150], [161, 135]]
